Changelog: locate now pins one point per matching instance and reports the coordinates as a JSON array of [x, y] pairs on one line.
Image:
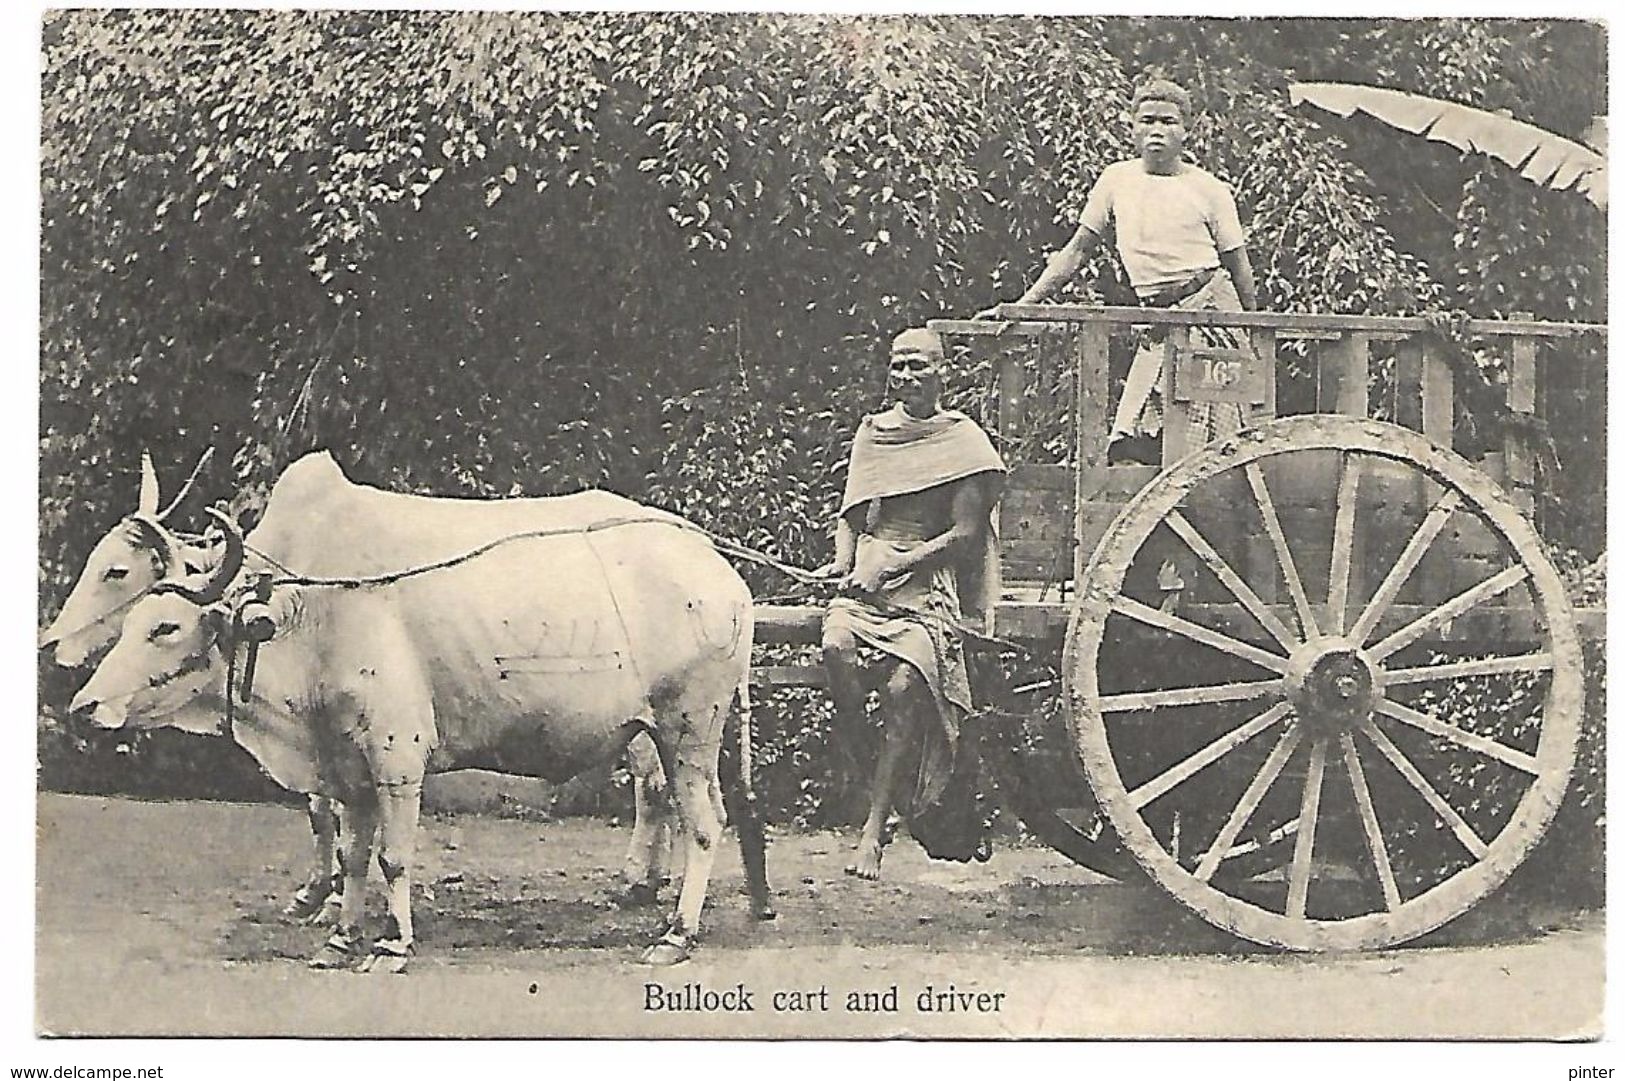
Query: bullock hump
[[320, 523]]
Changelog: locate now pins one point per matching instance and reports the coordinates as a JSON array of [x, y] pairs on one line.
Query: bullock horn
[[147, 501], [186, 488], [158, 538], [214, 586]]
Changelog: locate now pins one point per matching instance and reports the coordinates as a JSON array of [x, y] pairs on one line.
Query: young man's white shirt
[[1167, 228]]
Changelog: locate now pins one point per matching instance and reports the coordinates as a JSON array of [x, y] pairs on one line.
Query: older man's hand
[[884, 573], [834, 573]]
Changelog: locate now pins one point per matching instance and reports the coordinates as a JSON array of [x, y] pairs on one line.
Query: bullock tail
[[743, 812], [747, 780]]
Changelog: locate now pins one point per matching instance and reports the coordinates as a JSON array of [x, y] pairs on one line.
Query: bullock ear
[[155, 537], [147, 504]]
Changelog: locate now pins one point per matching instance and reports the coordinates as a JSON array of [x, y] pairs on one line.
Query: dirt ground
[[164, 917]]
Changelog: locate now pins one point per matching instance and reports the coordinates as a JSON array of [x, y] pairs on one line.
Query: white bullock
[[533, 636]]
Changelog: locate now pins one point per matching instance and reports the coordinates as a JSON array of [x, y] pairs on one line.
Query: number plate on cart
[[1214, 374]]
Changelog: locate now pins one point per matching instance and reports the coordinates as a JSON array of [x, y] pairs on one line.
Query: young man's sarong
[[1140, 410]]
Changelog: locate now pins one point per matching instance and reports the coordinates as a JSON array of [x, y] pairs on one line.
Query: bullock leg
[[398, 814], [651, 833], [355, 858], [697, 802], [328, 916], [901, 698], [317, 896]]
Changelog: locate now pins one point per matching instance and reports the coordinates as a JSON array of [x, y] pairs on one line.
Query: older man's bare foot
[[867, 865]]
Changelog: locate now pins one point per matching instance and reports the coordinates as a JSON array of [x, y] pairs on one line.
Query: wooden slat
[[1114, 484], [1093, 519], [986, 330], [1029, 619], [1049, 479], [1408, 384], [793, 623], [1438, 409], [1264, 342], [789, 675], [1177, 439], [1036, 523], [1284, 321], [1520, 465], [1042, 619], [1011, 379], [1093, 390], [1037, 520], [1438, 396], [1044, 374], [1093, 345], [1351, 359]]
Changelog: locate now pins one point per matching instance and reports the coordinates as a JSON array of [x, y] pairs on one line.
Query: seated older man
[[915, 557]]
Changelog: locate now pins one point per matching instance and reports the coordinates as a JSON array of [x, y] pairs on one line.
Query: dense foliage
[[490, 254]]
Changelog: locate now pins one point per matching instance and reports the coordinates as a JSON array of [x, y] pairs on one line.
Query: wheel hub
[[1331, 686]]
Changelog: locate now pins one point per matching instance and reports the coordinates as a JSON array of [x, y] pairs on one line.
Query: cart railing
[[1053, 361], [1049, 402]]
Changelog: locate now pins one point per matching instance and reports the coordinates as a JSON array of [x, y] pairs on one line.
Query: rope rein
[[121, 606], [723, 545], [366, 581]]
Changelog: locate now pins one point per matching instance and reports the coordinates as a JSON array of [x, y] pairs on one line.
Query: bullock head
[[134, 556], [168, 665]]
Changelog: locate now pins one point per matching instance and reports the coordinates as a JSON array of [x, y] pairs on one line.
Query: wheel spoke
[[1187, 696], [1459, 736], [1169, 622], [1489, 666], [1450, 609], [1188, 767], [1348, 489], [1297, 894], [1289, 569], [1368, 820], [1458, 825], [1232, 581], [1397, 576], [1249, 802]]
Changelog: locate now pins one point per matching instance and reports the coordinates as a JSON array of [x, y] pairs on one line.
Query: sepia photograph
[[787, 526]]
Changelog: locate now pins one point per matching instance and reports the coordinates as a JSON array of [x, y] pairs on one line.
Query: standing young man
[[914, 558], [1180, 239]]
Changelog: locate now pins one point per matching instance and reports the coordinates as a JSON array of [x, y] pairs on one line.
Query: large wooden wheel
[[1306, 702]]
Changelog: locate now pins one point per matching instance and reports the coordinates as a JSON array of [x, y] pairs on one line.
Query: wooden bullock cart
[[1321, 679]]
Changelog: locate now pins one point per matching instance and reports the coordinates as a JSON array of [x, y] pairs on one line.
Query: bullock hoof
[[763, 910], [327, 915], [387, 959], [638, 895], [307, 903], [336, 952], [673, 949]]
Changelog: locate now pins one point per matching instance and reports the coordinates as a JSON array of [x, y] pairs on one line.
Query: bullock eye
[[114, 574], [163, 630]]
